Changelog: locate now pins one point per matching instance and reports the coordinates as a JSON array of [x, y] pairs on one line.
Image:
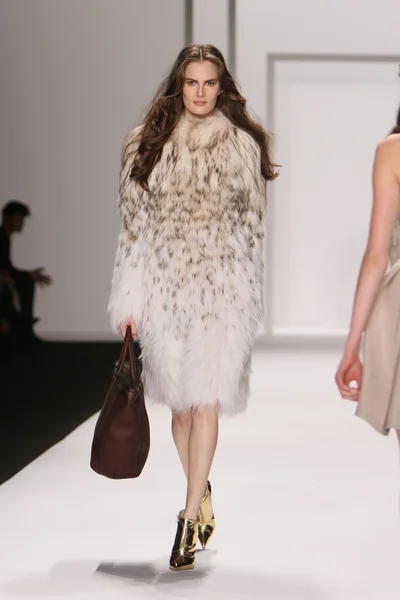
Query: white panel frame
[[271, 58]]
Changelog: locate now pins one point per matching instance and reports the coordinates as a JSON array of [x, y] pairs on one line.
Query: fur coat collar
[[203, 132]]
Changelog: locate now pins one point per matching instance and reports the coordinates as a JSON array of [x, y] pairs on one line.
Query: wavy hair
[[396, 128], [167, 107]]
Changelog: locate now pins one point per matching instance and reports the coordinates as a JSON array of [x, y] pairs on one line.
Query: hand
[[39, 277], [133, 327], [350, 370]]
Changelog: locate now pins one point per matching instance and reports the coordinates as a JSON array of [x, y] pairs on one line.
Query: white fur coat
[[189, 264]]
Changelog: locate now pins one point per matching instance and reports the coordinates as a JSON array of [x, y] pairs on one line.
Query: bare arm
[[384, 213], [386, 206]]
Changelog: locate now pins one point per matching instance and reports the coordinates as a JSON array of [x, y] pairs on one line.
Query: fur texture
[[189, 264]]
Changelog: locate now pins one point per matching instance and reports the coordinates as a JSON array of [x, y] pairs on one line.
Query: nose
[[200, 91]]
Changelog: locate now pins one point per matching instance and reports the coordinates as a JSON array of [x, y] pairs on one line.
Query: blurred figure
[[5, 301], [378, 404], [13, 281]]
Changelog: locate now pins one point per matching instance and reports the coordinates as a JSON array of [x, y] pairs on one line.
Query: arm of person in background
[[386, 207], [39, 277], [6, 266]]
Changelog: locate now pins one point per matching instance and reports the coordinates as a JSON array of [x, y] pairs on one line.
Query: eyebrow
[[196, 81]]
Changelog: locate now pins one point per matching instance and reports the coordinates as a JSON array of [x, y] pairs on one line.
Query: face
[[18, 222], [201, 88]]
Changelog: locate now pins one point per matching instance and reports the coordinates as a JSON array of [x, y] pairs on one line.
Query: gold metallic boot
[[206, 518], [183, 552]]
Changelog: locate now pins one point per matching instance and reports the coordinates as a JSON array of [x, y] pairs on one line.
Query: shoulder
[[131, 143], [246, 141], [387, 155], [389, 147], [133, 135], [247, 150]]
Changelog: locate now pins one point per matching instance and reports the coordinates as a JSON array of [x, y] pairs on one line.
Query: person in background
[[16, 281], [366, 382]]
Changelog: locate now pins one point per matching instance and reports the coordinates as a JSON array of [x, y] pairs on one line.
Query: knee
[[183, 420], [205, 416]]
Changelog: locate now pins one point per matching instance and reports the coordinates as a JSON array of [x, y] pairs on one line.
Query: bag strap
[[132, 357], [127, 348]]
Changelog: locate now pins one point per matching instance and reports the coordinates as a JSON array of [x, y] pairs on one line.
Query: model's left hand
[[349, 371], [41, 278]]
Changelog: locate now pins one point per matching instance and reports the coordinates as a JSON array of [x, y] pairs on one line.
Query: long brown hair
[[396, 128], [167, 107]]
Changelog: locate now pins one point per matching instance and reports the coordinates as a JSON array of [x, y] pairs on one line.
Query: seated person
[[6, 304], [21, 282]]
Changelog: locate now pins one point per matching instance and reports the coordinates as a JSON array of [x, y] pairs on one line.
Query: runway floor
[[306, 499]]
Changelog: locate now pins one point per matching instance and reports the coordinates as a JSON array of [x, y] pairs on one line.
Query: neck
[[7, 228], [198, 118]]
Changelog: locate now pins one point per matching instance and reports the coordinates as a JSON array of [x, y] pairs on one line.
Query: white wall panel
[[323, 76], [75, 75]]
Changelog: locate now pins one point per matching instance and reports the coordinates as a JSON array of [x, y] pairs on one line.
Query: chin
[[202, 111]]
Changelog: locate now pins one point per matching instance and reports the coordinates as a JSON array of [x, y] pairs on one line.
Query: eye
[[211, 83], [190, 82]]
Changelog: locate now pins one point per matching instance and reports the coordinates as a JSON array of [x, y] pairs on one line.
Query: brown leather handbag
[[121, 441]]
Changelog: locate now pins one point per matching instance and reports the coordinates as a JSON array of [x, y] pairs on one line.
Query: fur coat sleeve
[[255, 184], [126, 295], [256, 192]]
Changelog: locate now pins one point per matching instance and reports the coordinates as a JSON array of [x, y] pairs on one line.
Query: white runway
[[306, 499]]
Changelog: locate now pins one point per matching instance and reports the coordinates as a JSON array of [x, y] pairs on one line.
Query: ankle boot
[[183, 551], [206, 518]]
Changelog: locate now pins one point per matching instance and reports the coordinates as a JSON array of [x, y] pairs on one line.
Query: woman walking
[[376, 310], [189, 266]]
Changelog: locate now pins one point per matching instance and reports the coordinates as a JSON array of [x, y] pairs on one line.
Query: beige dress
[[379, 403]]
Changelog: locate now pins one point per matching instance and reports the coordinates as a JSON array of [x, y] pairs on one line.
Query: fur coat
[[189, 264]]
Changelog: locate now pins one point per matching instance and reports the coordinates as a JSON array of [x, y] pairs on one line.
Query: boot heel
[[206, 518]]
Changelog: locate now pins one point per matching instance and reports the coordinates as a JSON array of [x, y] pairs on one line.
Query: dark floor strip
[[45, 393]]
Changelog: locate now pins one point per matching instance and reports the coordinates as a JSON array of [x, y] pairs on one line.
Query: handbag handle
[[127, 348]]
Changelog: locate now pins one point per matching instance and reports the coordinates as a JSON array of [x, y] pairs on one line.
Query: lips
[[199, 102]]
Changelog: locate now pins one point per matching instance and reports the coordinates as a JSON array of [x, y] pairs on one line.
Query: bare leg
[[202, 444], [181, 426]]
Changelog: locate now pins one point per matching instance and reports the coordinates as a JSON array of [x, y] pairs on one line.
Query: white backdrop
[[327, 116], [75, 75], [211, 24]]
